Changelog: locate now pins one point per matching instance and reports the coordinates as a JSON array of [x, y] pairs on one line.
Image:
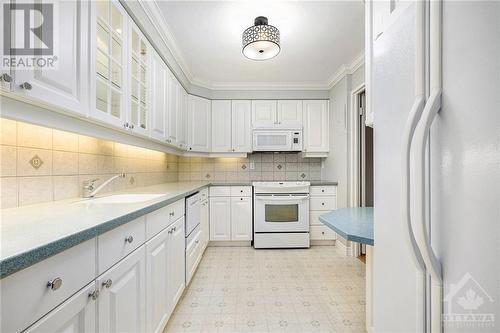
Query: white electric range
[[281, 214]]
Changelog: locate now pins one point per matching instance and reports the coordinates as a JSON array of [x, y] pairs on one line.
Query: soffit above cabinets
[[320, 40]]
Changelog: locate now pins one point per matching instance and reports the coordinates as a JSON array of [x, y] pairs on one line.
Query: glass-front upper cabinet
[[109, 61], [139, 75]]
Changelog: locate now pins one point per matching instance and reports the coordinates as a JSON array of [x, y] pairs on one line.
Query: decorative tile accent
[[36, 162]]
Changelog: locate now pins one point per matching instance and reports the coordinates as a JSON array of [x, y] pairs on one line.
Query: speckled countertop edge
[[32, 256]]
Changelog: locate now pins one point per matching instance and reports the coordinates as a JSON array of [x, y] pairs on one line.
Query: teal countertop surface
[[353, 224]]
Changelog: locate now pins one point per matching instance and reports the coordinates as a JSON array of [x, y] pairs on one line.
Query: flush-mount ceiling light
[[261, 41]]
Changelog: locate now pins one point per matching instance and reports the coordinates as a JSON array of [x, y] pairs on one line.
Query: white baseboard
[[323, 242], [229, 243], [344, 248]]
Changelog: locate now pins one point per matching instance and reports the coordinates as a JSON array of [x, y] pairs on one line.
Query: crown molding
[[164, 32]]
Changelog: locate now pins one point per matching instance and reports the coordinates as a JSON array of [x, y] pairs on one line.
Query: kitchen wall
[[336, 166], [40, 164], [266, 166]]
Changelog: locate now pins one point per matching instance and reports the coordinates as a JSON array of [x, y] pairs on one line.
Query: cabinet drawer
[[220, 191], [323, 203], [176, 210], [163, 217], [193, 254], [241, 191], [117, 243], [323, 190], [321, 232], [314, 217], [26, 295]]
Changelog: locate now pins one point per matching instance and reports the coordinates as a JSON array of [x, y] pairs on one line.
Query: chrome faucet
[[88, 186]]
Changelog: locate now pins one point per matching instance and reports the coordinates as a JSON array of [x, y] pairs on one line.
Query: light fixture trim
[[261, 41]]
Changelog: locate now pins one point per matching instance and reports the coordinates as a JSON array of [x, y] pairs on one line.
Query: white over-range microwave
[[277, 140]]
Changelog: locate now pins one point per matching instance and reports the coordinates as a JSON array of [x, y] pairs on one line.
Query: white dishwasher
[[193, 213]]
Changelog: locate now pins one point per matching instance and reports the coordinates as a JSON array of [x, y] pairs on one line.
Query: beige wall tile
[[290, 175], [105, 164], [64, 163], [64, 141], [66, 187], [24, 167], [34, 190], [106, 147], [34, 136], [8, 161], [8, 132], [87, 164], [8, 192], [267, 175], [87, 144], [121, 150]]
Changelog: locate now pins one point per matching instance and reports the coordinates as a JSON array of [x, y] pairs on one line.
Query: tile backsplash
[[257, 166], [40, 164]]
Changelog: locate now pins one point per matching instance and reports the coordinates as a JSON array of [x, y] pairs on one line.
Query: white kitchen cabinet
[[182, 117], [205, 223], [289, 114], [122, 298], [108, 65], [264, 114], [157, 300], [176, 268], [171, 119], [194, 252], [221, 126], [220, 218], [75, 315], [241, 218], [323, 199], [139, 72], [65, 86], [316, 126], [158, 100], [199, 124], [241, 126]]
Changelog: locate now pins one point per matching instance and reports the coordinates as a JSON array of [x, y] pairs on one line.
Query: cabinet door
[[158, 101], [182, 117], [290, 114], [316, 126], [241, 127], [241, 218], [176, 263], [108, 62], [171, 94], [199, 124], [76, 315], [264, 114], [123, 295], [221, 126], [140, 67], [157, 301], [65, 86], [205, 224], [220, 218]]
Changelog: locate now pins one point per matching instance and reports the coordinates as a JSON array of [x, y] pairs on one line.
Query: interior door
[[122, 299], [66, 86]]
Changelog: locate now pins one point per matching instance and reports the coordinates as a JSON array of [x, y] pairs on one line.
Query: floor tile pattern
[[240, 289]]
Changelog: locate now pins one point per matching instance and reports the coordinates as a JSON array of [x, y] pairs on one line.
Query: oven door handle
[[281, 197]]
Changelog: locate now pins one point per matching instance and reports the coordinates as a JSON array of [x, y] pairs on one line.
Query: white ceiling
[[317, 39]]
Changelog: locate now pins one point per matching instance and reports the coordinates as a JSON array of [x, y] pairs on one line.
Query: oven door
[[281, 213]]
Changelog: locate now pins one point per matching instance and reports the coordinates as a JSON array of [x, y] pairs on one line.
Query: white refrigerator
[[436, 260]]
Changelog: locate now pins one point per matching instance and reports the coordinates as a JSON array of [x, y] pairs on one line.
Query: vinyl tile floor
[[240, 289]]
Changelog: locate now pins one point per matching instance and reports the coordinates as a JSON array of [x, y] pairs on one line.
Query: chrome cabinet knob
[[323, 191], [197, 241], [107, 283], [129, 239], [171, 213], [322, 203], [55, 283], [26, 86], [323, 232], [5, 77], [94, 294], [241, 199], [126, 125], [131, 126]]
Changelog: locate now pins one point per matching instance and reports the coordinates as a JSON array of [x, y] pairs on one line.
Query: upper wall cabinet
[[182, 104], [108, 62], [158, 100], [264, 114], [241, 126], [289, 114], [199, 124], [171, 118], [221, 126], [140, 66], [65, 86], [316, 126]]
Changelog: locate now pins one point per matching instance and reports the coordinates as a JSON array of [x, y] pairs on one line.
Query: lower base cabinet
[[75, 315], [176, 267], [122, 296], [241, 218]]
